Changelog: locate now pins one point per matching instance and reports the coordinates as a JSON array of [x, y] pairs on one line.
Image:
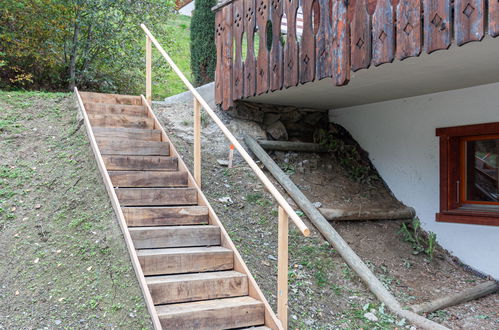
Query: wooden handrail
[[259, 173]]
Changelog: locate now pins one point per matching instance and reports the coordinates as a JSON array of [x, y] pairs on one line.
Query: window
[[469, 175]]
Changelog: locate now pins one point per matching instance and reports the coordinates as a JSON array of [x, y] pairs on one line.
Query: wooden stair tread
[[224, 313], [167, 289], [110, 98], [185, 260], [120, 121], [139, 134], [174, 236], [156, 196], [140, 163], [112, 108], [166, 216], [148, 178], [110, 146]]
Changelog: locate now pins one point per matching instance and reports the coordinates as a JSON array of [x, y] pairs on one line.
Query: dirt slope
[[324, 292], [63, 263]]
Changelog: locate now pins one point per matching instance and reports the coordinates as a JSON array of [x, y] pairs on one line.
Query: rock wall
[[282, 122]]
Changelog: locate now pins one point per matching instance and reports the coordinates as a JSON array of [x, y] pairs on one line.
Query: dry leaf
[[37, 206], [36, 260], [17, 293], [60, 299], [59, 265], [58, 251], [13, 209], [89, 268]]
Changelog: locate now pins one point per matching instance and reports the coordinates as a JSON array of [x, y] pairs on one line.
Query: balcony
[[329, 53]]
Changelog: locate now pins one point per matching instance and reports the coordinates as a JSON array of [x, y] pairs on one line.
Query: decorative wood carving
[[307, 44], [291, 51], [409, 36], [262, 62], [276, 52], [219, 27], [238, 30], [360, 38], [250, 61], [227, 58], [437, 20], [324, 42], [383, 33], [494, 18], [469, 20], [341, 43]]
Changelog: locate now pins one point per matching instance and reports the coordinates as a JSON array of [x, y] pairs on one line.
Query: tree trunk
[[72, 58], [368, 214]]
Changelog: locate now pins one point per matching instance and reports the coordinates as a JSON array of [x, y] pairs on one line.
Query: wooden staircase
[[190, 272]]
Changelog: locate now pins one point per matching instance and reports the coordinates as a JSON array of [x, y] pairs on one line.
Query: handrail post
[[197, 142], [282, 268], [148, 70]]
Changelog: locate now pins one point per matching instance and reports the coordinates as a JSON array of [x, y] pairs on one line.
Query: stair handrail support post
[[197, 142], [282, 268], [148, 70]]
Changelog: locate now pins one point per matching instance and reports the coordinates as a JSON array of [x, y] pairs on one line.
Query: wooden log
[[372, 214], [332, 236], [292, 146], [475, 292]]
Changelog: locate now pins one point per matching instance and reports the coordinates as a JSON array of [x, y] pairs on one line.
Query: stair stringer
[[254, 291], [119, 214]]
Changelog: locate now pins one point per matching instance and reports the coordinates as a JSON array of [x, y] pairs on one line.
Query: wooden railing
[[332, 38], [285, 211]]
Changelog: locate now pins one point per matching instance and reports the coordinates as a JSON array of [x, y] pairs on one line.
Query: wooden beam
[[292, 146], [282, 268], [332, 236], [148, 70], [197, 142], [368, 214]]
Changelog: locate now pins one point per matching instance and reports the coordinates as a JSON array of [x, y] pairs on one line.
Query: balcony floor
[[473, 64]]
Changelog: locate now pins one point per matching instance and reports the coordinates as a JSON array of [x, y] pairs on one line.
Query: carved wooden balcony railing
[[337, 37]]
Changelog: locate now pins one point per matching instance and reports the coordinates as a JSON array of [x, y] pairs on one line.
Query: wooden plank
[[119, 215], [120, 121], [140, 163], [282, 267], [250, 61], [148, 179], [139, 134], [383, 33], [227, 57], [360, 39], [110, 146], [493, 18], [291, 51], [409, 35], [219, 79], [341, 42], [276, 52], [117, 109], [262, 60], [170, 289], [307, 45], [174, 236], [185, 260], [197, 142], [148, 70], [110, 98], [156, 196], [212, 314], [237, 65], [469, 20], [437, 16], [165, 216], [324, 41]]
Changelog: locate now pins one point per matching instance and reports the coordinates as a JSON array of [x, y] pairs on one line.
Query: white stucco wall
[[400, 138]]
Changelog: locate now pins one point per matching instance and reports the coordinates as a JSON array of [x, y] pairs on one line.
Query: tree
[[96, 44], [203, 50]]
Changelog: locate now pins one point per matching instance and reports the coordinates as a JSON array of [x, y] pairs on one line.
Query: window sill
[[469, 217]]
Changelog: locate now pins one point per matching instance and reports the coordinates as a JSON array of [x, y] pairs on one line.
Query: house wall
[[400, 138]]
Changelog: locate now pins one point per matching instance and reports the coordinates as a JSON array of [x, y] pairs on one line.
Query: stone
[[247, 113], [223, 162], [313, 118], [317, 204], [278, 131], [291, 117], [269, 118]]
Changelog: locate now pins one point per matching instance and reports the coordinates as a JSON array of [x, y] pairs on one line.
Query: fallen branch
[[332, 236], [292, 146], [473, 293], [372, 214]]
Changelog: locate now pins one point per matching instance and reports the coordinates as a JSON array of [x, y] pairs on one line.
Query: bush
[[95, 44], [203, 50]]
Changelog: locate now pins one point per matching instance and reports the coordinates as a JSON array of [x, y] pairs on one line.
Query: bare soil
[[63, 261], [324, 292]]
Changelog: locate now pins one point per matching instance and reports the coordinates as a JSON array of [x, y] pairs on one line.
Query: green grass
[[165, 81]]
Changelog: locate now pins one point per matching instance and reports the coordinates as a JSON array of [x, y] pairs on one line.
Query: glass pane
[[481, 170]]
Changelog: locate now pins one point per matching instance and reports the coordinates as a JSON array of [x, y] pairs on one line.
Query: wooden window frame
[[451, 142]]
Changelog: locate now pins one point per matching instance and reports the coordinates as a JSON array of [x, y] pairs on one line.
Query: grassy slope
[[63, 262], [165, 81]]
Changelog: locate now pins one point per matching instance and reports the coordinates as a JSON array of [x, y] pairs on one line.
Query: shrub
[[203, 50]]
